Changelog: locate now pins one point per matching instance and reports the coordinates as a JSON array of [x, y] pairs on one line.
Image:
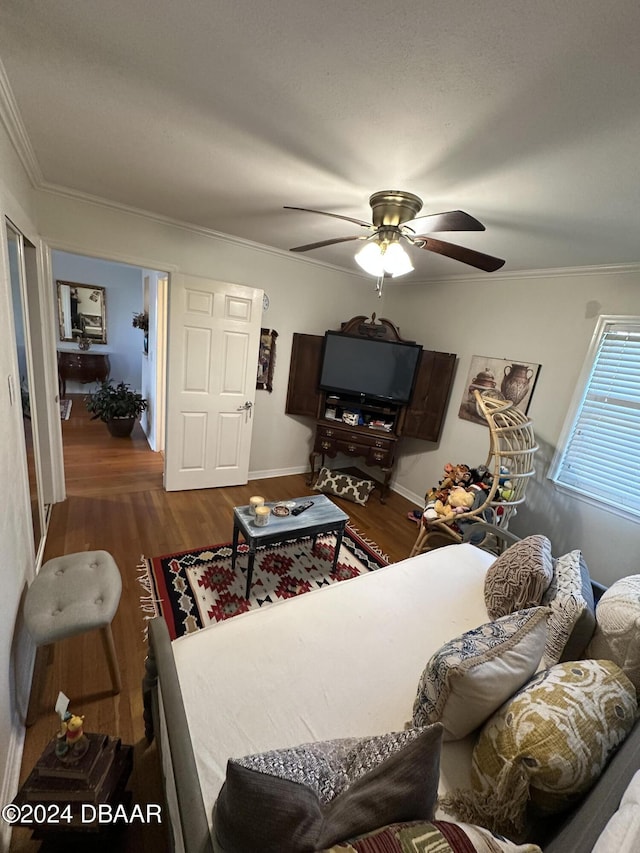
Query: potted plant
[[117, 405], [141, 321]]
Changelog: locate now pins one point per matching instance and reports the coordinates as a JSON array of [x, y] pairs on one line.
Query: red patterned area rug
[[196, 588]]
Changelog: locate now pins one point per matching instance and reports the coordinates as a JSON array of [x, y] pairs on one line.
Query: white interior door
[[214, 336]]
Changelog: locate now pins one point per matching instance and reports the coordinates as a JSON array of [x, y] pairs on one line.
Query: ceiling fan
[[384, 253]]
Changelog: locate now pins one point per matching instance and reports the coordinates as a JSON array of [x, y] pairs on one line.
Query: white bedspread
[[341, 661]]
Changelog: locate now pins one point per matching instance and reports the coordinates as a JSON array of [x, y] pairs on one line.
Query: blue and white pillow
[[470, 677]]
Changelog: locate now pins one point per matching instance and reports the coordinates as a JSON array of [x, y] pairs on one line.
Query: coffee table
[[323, 517]]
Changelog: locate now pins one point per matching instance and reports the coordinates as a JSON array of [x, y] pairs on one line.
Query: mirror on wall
[[82, 312]]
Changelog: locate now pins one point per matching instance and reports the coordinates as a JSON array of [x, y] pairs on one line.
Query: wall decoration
[[82, 312], [505, 379], [266, 359]]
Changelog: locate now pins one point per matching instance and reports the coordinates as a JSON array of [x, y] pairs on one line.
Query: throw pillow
[[344, 486], [572, 620], [438, 836], [617, 633], [622, 832], [311, 796], [546, 746], [519, 577], [470, 677]]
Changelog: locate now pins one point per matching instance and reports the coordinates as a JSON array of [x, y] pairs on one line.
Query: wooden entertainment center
[[378, 426]]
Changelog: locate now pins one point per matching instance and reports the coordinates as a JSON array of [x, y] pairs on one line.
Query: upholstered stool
[[71, 595]]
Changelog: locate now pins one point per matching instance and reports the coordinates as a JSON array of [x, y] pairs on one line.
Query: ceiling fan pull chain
[[379, 283]]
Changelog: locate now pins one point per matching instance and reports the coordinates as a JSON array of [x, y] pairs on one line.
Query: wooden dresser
[[81, 367]]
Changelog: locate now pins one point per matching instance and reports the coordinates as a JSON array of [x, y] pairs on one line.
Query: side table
[[56, 800]]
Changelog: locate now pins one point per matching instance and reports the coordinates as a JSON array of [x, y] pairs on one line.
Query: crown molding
[[548, 272], [13, 124], [210, 233], [12, 121]]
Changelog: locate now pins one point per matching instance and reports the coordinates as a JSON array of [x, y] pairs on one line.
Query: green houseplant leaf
[[111, 401]]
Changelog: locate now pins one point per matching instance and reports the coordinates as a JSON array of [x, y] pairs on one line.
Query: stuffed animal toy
[[482, 477], [455, 475], [430, 513], [462, 476], [72, 742], [447, 480], [460, 500], [506, 490]]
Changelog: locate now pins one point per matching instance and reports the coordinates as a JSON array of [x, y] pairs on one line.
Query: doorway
[[26, 317], [134, 350]]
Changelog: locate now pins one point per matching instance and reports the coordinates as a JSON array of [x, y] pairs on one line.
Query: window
[[598, 453]]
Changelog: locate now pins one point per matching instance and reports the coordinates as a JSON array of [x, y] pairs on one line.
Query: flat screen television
[[376, 369]]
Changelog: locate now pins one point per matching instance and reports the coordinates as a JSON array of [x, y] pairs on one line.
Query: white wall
[[304, 297], [547, 319], [16, 541], [123, 297]]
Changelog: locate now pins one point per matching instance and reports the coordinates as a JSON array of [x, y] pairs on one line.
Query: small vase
[[515, 382]]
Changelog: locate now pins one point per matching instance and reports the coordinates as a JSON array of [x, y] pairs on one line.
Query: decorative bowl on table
[[280, 510]]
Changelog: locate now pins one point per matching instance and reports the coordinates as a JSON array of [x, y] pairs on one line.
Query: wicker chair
[[512, 445]]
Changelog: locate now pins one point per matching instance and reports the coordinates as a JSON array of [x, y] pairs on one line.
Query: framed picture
[[506, 379]]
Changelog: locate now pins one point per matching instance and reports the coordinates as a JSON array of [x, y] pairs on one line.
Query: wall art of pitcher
[[515, 382]]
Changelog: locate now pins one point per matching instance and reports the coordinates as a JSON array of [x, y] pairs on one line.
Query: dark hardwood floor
[[115, 501]]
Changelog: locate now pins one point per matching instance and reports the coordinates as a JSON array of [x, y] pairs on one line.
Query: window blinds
[[602, 454]]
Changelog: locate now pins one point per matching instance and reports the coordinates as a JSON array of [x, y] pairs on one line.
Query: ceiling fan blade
[[451, 220], [459, 253], [324, 243], [334, 215]]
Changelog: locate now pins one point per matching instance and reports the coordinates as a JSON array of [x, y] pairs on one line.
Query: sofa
[[352, 675]]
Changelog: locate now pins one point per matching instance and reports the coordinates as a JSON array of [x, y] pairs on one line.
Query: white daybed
[[338, 662]]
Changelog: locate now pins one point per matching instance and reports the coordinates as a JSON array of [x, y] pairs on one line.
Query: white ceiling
[[524, 113]]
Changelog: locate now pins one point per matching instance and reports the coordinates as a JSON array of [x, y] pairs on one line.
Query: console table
[[81, 367]]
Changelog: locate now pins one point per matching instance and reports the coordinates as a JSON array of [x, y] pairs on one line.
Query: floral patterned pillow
[[546, 746], [470, 677]]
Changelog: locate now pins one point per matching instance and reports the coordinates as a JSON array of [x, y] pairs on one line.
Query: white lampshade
[[396, 261], [369, 258], [377, 259]]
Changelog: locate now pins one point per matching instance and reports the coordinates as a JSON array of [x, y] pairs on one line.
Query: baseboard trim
[[418, 500], [278, 472]]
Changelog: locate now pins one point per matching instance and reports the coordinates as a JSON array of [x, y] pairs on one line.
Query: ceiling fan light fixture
[[380, 258], [396, 261], [370, 259]]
